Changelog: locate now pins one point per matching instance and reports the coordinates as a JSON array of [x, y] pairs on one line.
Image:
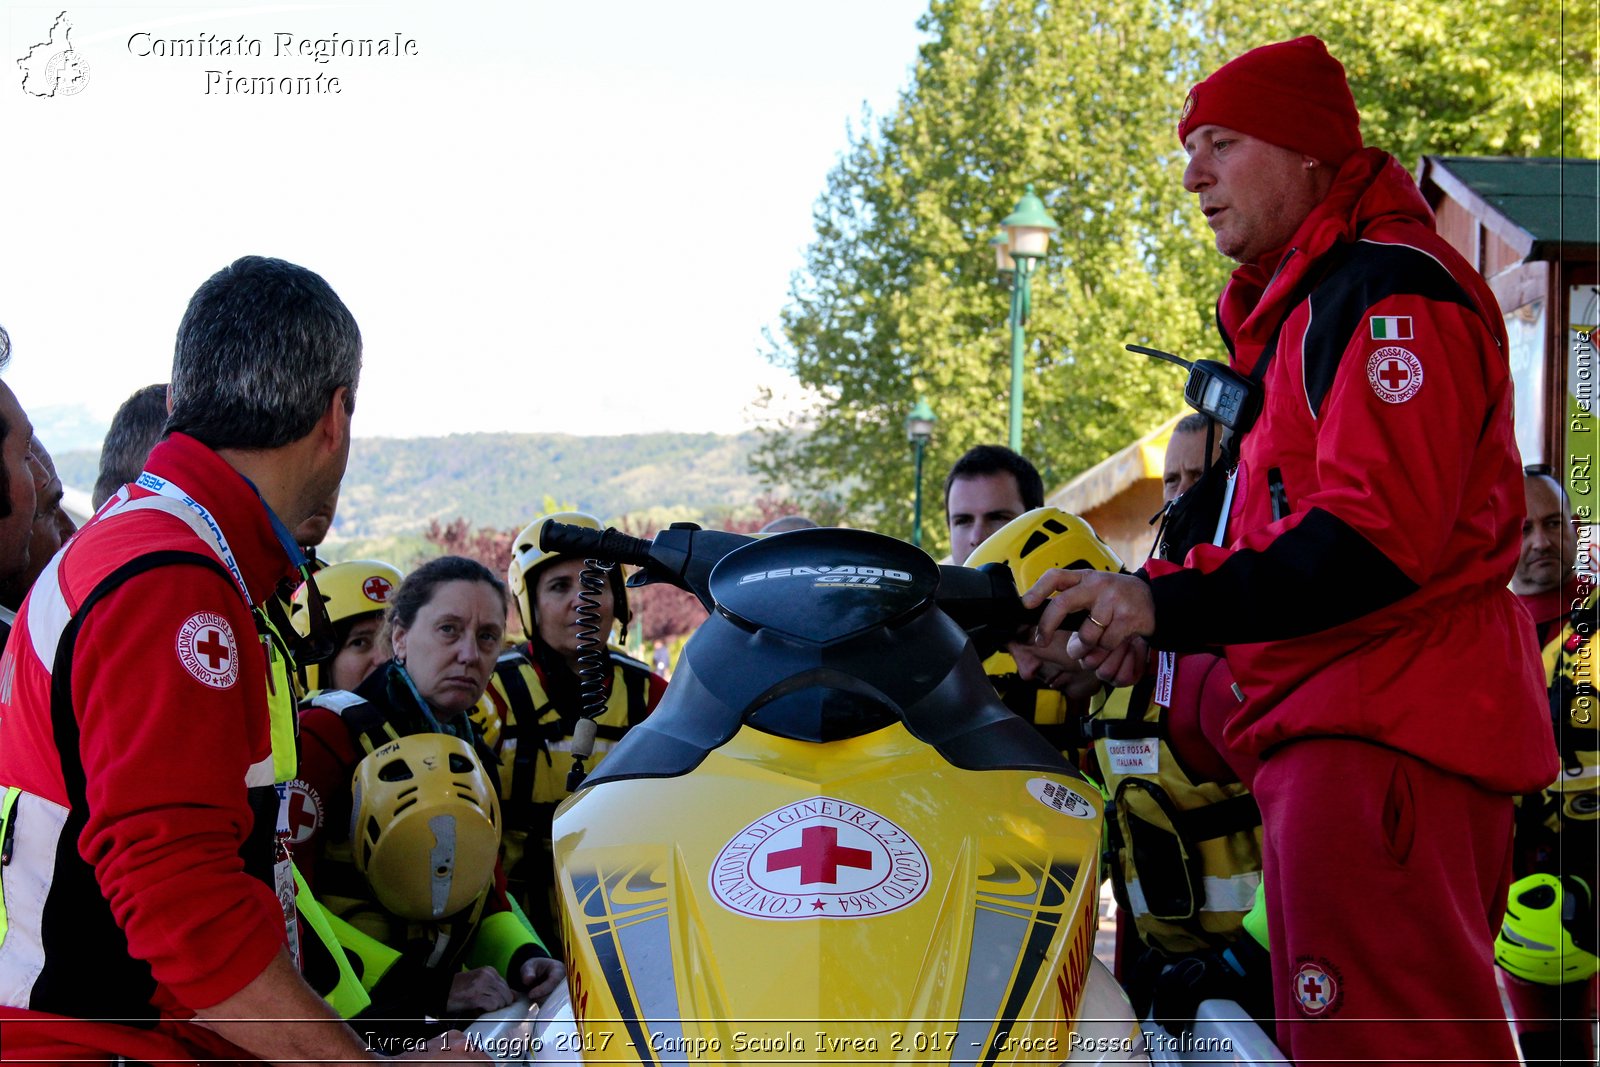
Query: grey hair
[[262, 347], [135, 429]]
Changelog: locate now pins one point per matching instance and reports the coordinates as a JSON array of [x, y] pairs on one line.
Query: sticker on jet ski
[[1057, 797], [820, 858]]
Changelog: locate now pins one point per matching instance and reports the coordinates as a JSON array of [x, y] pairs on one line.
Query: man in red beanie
[[1392, 687]]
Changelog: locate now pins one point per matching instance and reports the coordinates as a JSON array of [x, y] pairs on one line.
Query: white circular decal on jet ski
[[1058, 797], [820, 858]]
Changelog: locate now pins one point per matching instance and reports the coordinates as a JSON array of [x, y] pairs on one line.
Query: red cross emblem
[[207, 649], [211, 647], [304, 811], [377, 589], [819, 856], [1314, 988], [1395, 374]]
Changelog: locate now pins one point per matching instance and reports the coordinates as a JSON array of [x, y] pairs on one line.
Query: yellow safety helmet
[[1545, 918], [527, 557], [359, 587], [425, 826], [1042, 539], [1033, 543], [350, 590]]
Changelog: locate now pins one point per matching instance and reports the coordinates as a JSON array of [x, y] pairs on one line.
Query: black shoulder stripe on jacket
[[1318, 574], [1341, 303]]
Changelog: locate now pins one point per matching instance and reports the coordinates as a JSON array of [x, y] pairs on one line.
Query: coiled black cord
[[592, 665]]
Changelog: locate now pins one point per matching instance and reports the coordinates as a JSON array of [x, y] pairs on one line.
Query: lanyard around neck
[[173, 491]]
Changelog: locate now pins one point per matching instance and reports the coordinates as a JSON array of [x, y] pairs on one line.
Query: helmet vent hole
[[1054, 527], [460, 763], [1036, 540], [372, 833], [1538, 898], [404, 804], [395, 771]]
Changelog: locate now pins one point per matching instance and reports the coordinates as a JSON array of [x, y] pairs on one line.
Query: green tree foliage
[[1491, 77], [898, 296]]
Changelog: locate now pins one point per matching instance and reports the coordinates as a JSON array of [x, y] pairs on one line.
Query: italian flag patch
[[1391, 327]]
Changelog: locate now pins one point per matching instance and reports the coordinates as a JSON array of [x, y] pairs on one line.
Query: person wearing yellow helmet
[[355, 594], [467, 951], [535, 696], [428, 825], [1047, 693], [1171, 795]]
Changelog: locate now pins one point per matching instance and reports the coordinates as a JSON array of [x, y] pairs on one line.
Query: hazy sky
[[572, 217]]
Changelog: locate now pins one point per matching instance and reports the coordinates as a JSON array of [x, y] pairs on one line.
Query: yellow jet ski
[[831, 842]]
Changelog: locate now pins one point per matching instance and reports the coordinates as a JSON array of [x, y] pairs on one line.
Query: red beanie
[[1292, 94]]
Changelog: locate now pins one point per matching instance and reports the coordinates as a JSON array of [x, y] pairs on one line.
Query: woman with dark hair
[[534, 697], [446, 628]]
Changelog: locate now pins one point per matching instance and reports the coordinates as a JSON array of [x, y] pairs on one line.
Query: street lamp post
[[1027, 236], [919, 431]]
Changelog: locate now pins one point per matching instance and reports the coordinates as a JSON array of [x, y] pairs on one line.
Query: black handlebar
[[984, 602], [610, 545]]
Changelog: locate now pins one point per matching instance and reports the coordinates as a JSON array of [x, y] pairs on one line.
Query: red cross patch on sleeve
[[1395, 374], [207, 649]]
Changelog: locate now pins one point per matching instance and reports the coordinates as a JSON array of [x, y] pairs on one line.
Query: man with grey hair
[[145, 728]]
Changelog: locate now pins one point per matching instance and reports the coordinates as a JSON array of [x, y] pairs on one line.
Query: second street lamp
[[1028, 229], [919, 431]]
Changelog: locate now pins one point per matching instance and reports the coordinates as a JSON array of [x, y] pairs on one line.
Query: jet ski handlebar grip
[[609, 544]]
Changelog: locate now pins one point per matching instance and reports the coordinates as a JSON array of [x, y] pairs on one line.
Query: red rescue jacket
[[1378, 501], [136, 888]]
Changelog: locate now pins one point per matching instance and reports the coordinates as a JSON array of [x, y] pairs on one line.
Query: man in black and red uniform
[[1391, 683], [148, 916]]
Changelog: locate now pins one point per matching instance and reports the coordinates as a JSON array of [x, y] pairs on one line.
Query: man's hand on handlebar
[[1110, 640]]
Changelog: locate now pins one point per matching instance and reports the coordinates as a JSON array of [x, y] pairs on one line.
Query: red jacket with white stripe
[[142, 791], [1378, 501]]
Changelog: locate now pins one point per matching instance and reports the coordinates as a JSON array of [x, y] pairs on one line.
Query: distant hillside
[[394, 486]]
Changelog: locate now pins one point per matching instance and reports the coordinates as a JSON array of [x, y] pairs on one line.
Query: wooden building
[[1532, 228]]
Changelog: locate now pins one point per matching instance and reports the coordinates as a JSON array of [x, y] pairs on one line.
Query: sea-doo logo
[[842, 574], [819, 859]]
